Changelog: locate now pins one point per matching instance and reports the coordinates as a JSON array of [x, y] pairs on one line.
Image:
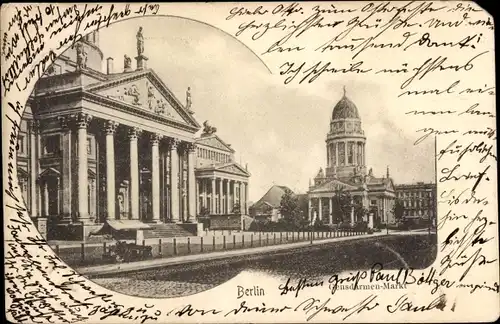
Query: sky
[[279, 130]]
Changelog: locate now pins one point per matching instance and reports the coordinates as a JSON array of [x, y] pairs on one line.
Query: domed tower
[[345, 142]]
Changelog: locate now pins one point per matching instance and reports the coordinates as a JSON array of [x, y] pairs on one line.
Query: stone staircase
[[166, 230]]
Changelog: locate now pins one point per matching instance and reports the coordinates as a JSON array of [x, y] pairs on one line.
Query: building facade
[[222, 184], [117, 145], [268, 206], [346, 169], [418, 199]]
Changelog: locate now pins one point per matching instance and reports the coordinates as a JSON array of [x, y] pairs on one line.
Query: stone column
[[58, 190], [336, 154], [246, 198], [45, 211], [228, 200], [233, 197], [320, 208], [204, 194], [83, 120], [346, 150], [192, 195], [198, 196], [354, 153], [33, 167], [221, 204], [155, 176], [134, 134], [383, 211], [243, 196], [328, 155], [39, 189], [110, 169], [330, 220], [174, 180], [363, 150], [237, 198], [213, 210]]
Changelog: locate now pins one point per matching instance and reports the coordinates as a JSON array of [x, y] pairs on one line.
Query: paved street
[[417, 251]]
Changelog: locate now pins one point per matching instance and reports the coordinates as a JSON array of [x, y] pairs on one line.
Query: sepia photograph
[[280, 162], [132, 183]]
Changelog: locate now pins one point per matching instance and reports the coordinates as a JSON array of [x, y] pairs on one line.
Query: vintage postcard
[[249, 162]]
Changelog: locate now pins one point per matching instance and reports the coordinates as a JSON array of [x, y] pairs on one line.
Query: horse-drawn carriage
[[120, 230]]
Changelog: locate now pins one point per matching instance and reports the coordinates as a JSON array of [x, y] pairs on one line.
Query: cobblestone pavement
[[417, 252], [152, 288]]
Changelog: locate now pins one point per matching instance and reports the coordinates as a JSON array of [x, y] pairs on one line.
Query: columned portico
[[109, 152]]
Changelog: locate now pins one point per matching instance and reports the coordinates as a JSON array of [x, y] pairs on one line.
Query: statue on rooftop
[[127, 62], [207, 129], [188, 98], [140, 42]]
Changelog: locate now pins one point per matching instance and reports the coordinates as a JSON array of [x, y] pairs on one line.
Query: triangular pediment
[[215, 142], [331, 186], [234, 169], [146, 91]]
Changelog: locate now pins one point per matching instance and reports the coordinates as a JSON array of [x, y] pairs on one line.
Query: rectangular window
[[51, 144], [374, 202]]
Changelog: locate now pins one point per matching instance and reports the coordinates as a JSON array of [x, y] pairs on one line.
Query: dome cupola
[[345, 109]]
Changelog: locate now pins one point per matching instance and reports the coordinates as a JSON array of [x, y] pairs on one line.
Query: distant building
[[268, 207], [346, 168], [222, 184], [419, 199]]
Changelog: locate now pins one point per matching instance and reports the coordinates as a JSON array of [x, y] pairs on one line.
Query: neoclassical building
[[418, 199], [222, 184], [346, 168], [117, 145]]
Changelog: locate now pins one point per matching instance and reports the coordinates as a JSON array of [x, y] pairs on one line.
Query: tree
[[290, 208], [341, 205], [398, 209]]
